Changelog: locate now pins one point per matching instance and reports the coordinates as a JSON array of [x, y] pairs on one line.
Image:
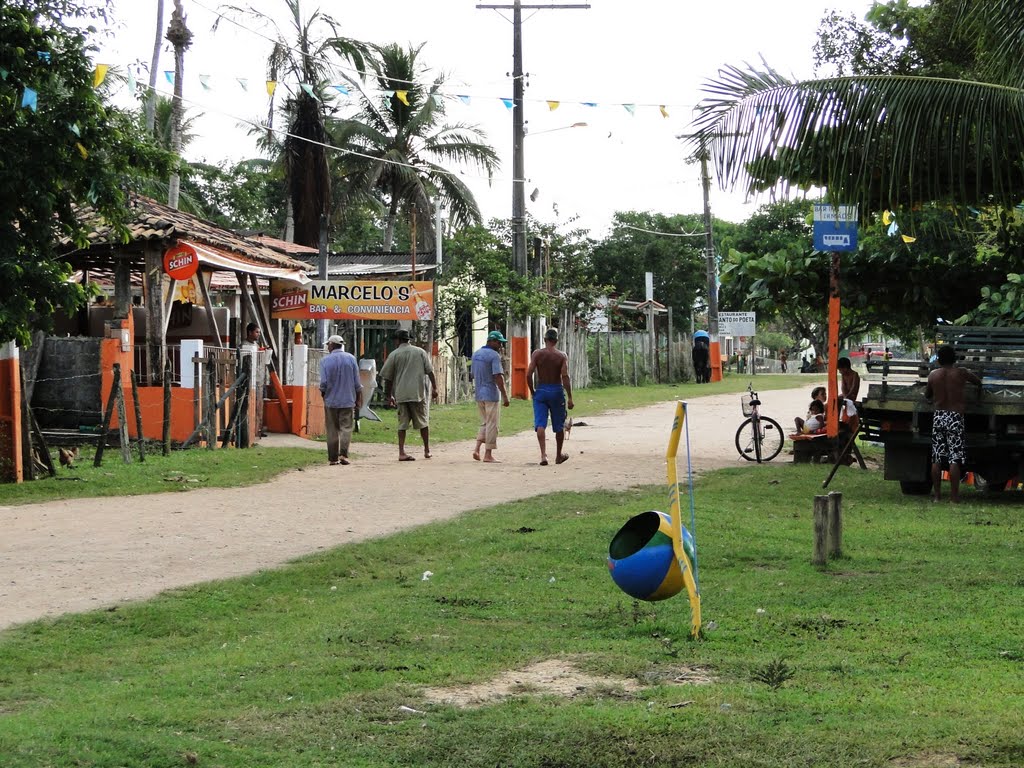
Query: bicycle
[[759, 438]]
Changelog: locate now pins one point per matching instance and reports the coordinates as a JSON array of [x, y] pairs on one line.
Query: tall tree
[[401, 152], [672, 247], [154, 65], [301, 63], [60, 146]]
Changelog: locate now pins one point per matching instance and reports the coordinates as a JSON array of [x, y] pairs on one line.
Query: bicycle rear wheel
[[767, 447]]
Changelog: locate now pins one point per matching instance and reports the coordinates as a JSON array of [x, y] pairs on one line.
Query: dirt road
[[87, 553]]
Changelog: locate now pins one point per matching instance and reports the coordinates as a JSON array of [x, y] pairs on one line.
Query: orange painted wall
[[151, 400], [11, 469]]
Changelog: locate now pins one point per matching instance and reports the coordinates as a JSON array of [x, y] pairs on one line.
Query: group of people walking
[[406, 372]]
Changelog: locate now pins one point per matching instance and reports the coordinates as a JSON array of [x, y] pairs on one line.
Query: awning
[[227, 260]]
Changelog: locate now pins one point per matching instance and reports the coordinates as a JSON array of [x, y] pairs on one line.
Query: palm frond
[[875, 140]]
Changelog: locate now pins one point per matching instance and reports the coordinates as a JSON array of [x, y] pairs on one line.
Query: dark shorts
[[948, 437], [549, 399]]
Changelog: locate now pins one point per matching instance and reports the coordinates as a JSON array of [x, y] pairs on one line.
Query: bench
[[811, 449]]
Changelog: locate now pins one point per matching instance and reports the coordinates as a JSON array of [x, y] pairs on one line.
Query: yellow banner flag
[[271, 87], [82, 150], [402, 96], [100, 75], [553, 105], [908, 238], [664, 112]]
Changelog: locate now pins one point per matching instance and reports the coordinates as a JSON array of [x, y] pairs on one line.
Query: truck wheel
[[989, 487], [915, 487]]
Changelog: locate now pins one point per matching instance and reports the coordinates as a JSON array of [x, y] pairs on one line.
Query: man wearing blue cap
[[488, 381]]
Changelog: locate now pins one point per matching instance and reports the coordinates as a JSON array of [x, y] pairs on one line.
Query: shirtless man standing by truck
[[553, 389], [945, 390]]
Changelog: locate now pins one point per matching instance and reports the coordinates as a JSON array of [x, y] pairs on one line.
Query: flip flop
[[344, 462], [543, 462], [476, 456], [562, 459], [407, 458]]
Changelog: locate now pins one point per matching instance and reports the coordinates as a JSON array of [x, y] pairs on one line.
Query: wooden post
[[157, 312], [622, 354], [632, 337], [108, 413], [211, 405], [597, 349], [167, 409], [832, 406], [820, 557], [835, 524], [198, 383], [122, 426], [669, 355], [244, 439], [138, 416]]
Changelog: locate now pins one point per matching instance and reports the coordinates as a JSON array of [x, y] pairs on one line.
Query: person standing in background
[[550, 395], [488, 382], [343, 396], [404, 373]]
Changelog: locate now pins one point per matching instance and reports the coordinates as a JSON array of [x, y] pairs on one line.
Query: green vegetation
[[903, 650]]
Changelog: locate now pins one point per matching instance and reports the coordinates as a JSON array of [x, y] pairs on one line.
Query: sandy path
[[83, 554]]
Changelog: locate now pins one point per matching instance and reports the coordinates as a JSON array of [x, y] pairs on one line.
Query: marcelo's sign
[[352, 299]]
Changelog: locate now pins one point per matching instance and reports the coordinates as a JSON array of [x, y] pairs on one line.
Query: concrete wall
[[67, 390]]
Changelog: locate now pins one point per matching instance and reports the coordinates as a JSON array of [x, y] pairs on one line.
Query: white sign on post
[[737, 323], [649, 285]]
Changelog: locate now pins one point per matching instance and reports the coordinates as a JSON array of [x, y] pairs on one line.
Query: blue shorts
[[549, 398]]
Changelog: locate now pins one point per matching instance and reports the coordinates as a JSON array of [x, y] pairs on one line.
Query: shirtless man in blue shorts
[[550, 395], [945, 390]]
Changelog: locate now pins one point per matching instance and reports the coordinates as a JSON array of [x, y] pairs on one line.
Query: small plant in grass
[[773, 674]]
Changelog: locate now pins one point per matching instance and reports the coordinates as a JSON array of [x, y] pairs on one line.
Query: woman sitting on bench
[[818, 394]]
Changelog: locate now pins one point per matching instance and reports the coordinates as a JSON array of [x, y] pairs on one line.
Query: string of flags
[[890, 220]]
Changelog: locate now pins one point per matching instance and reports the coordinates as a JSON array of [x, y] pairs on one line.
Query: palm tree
[[881, 140], [300, 62], [399, 149]]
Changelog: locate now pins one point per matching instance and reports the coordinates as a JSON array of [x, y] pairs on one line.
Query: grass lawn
[[199, 468], [909, 651]]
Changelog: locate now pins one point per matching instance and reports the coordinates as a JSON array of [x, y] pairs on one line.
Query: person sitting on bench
[[818, 393], [815, 421]]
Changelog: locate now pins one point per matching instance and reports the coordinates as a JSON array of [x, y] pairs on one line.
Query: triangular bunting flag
[[204, 80], [509, 103], [631, 108], [893, 229], [43, 56], [908, 238], [131, 83], [243, 83], [29, 99], [464, 98], [438, 100], [271, 87], [402, 96], [169, 75], [589, 103], [308, 90], [340, 89], [664, 112], [886, 217], [553, 105], [4, 73], [82, 150], [100, 75], [75, 130]]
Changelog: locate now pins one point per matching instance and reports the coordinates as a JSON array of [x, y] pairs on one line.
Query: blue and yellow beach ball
[[641, 560]]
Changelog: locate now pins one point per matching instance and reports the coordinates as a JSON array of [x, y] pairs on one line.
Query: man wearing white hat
[[343, 396]]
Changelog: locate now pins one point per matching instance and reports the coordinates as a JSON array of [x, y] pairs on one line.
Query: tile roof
[[154, 221]]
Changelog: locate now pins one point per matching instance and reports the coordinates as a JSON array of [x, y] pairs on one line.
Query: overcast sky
[[639, 52]]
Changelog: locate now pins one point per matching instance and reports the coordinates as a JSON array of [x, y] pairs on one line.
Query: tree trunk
[[389, 231], [179, 36], [153, 67]]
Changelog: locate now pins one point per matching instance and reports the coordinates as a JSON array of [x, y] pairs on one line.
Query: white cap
[[336, 340]]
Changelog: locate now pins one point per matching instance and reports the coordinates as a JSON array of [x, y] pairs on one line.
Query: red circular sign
[[181, 261]]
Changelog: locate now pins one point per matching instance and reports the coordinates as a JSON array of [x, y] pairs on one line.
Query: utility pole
[[520, 352], [712, 268]]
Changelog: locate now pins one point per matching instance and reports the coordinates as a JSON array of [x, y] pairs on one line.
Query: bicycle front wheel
[[762, 443]]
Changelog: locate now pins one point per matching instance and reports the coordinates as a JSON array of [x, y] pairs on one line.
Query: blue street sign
[[835, 227]]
